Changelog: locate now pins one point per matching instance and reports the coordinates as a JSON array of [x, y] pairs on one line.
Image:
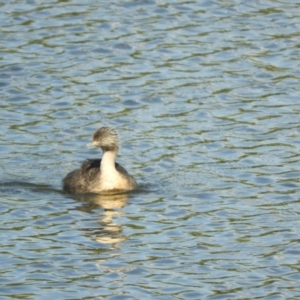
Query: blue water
[[205, 98]]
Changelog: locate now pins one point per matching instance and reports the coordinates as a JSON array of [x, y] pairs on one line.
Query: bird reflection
[[108, 232]]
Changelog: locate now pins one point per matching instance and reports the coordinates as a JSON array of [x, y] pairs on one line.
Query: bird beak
[[91, 145]]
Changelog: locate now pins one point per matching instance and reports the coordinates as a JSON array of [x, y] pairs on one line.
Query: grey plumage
[[91, 178]]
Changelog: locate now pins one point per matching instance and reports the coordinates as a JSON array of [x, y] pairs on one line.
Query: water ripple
[[204, 95]]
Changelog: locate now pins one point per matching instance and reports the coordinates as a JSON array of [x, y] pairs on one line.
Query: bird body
[[101, 175]]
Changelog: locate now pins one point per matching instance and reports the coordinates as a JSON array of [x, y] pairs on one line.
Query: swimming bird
[[101, 175]]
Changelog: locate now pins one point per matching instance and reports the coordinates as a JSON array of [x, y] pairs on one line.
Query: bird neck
[[108, 161]]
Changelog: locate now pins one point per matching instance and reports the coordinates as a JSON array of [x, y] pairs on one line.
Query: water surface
[[205, 98]]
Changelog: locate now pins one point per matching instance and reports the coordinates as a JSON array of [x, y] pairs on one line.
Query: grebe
[[101, 175]]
